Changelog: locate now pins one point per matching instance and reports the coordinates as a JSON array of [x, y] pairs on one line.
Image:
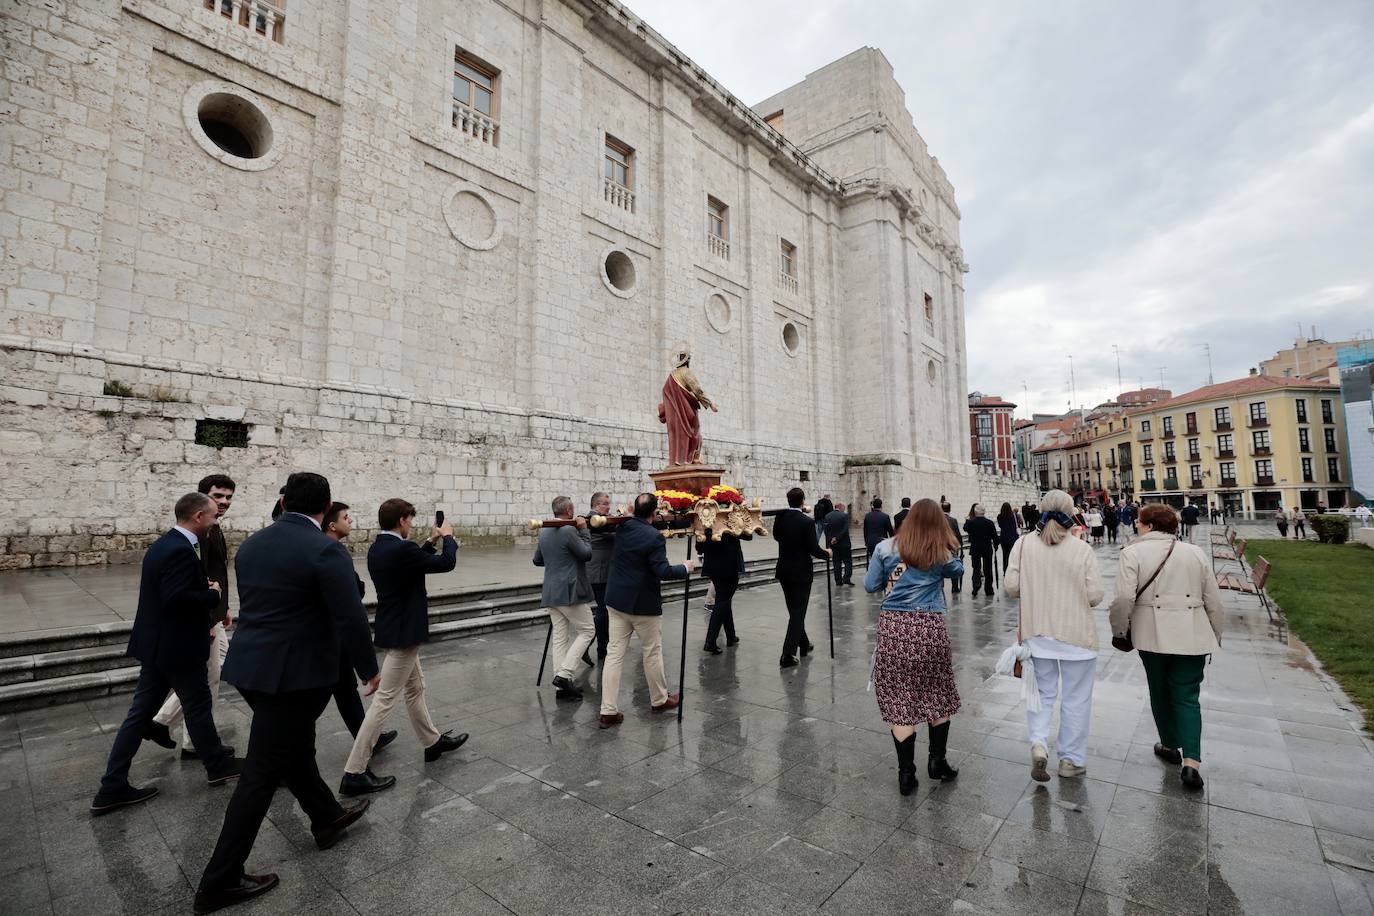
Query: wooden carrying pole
[[830, 608], [686, 598]]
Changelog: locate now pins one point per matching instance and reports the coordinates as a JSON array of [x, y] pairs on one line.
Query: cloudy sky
[[1156, 176]]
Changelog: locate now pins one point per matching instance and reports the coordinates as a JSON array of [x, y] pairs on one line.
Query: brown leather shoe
[[605, 721], [671, 703], [328, 836], [249, 886]]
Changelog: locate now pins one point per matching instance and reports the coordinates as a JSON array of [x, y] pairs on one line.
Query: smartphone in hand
[[439, 518]]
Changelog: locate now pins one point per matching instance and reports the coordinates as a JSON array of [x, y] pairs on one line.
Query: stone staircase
[[81, 663]]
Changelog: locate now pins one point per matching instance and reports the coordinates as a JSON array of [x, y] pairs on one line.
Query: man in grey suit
[[563, 553]]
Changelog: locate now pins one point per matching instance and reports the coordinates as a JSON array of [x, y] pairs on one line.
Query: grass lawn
[[1327, 593]]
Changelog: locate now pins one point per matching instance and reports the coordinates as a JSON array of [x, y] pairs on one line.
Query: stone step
[[63, 666]]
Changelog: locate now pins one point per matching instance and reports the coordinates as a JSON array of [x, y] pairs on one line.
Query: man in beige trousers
[[563, 553], [398, 567]]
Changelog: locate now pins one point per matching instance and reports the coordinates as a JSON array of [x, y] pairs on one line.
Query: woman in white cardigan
[[1057, 580], [1168, 603]]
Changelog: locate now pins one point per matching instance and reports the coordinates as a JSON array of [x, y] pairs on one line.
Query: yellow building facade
[[1250, 445]]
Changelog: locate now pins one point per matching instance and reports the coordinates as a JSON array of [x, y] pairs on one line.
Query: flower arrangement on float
[[677, 500], [725, 495]]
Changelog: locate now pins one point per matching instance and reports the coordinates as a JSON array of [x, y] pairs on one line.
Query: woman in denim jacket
[[912, 667]]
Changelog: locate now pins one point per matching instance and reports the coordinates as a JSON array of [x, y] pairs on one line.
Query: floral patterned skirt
[[913, 671]]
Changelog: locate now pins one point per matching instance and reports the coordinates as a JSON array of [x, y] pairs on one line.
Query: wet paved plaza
[[775, 794]]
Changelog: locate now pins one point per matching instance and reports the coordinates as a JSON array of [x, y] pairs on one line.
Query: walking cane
[[548, 637], [829, 609], [686, 597]]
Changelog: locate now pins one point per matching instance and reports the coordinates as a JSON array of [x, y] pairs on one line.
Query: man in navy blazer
[[634, 603], [398, 567], [171, 637], [796, 537], [298, 602]]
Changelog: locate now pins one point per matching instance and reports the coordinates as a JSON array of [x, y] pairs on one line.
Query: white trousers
[[650, 630], [573, 632], [1072, 683], [170, 713]]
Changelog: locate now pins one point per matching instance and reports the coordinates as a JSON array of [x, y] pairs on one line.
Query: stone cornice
[[707, 92], [914, 213]]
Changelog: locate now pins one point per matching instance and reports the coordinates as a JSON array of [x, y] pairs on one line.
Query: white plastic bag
[[1030, 693]]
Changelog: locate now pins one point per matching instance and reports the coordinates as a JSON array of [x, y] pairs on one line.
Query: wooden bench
[[1252, 584]]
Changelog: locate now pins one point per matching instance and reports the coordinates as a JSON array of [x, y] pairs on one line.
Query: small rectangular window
[[1307, 470], [1301, 404], [629, 462], [1168, 425], [788, 253], [619, 162], [1333, 470], [717, 224], [222, 433], [1329, 437], [1259, 411], [1304, 440], [1326, 411], [475, 96], [803, 476], [930, 309]]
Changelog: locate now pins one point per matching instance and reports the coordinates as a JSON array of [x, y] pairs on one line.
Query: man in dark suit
[[877, 526], [901, 514], [797, 545], [639, 564], [956, 584], [398, 567], [982, 545], [298, 600], [837, 539], [214, 556], [171, 639], [338, 524]]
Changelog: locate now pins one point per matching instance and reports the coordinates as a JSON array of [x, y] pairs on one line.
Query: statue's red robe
[[678, 410]]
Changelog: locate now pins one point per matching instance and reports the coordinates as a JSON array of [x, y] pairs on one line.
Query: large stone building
[[442, 248]]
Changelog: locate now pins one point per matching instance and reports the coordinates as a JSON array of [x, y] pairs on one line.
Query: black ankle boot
[[937, 767], [906, 764]]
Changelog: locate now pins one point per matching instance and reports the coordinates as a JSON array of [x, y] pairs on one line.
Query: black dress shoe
[[229, 768], [188, 753], [249, 886], [364, 783], [939, 768], [714, 650], [1190, 778], [806, 650], [107, 800], [788, 661], [1168, 754], [448, 741], [160, 734], [384, 739], [731, 642], [566, 690], [331, 833]]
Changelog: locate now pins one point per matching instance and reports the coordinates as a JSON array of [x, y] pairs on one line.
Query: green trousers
[[1175, 681]]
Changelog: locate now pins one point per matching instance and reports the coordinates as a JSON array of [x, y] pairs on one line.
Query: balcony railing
[[1335, 477], [1260, 451], [1194, 456], [788, 282], [1195, 483], [1144, 435], [1221, 426], [1308, 478], [1226, 453], [1147, 462], [261, 16], [1262, 480], [617, 195], [1191, 429], [1147, 485], [1111, 462], [1166, 434], [1171, 483], [475, 124], [1228, 482], [1258, 422], [718, 246]]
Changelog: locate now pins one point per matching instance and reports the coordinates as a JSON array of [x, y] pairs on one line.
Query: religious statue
[[682, 398]]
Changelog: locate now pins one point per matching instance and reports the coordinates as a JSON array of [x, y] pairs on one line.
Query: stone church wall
[[418, 311]]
